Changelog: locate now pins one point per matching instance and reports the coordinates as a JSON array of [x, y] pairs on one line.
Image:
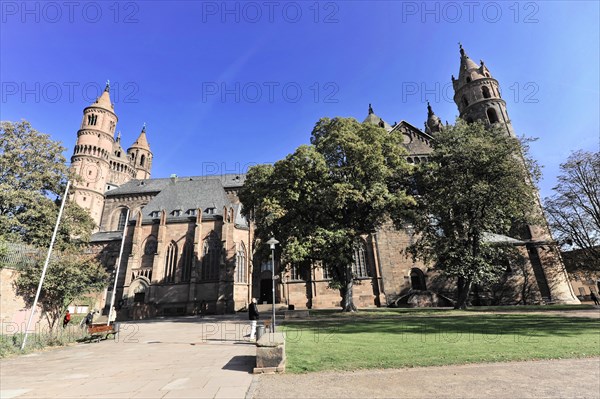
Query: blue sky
[[222, 86]]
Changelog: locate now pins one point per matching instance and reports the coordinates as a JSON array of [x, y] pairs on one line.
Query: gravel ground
[[568, 378]]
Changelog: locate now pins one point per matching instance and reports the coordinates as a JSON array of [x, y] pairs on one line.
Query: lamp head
[[272, 242]]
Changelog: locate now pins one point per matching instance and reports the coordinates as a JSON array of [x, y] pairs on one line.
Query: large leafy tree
[[33, 175], [574, 210], [320, 200], [475, 183], [69, 277]]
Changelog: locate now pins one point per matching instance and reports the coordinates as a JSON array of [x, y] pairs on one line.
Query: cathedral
[[187, 248]]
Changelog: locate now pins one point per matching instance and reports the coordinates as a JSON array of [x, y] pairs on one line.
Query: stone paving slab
[[568, 378], [169, 358]]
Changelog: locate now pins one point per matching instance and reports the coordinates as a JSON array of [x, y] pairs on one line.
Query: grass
[[10, 345], [369, 340], [385, 312]]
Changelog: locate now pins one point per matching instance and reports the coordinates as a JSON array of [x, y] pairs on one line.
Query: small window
[[176, 212], [468, 79], [154, 214], [465, 101], [210, 211], [485, 91], [492, 115], [191, 212]]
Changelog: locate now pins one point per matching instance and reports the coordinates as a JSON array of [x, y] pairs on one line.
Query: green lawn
[[406, 339]]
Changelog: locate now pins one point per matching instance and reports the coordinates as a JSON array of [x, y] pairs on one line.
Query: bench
[[102, 331]]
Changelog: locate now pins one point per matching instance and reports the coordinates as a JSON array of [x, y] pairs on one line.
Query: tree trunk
[[347, 290], [464, 288]]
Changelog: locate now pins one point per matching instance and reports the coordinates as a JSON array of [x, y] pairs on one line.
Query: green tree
[[33, 175], [475, 183], [69, 277], [574, 210], [320, 200]]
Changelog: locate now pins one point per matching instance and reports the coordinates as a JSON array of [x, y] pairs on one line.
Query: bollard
[[260, 331]]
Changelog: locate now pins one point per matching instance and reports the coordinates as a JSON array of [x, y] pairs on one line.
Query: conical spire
[[433, 124], [142, 141], [104, 100], [373, 119], [469, 70]]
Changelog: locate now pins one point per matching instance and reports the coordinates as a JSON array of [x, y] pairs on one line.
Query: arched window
[[359, 261], [492, 115], [417, 279], [210, 257], [485, 91], [142, 160], [187, 261], [240, 264], [465, 101], [149, 252], [122, 217], [170, 263]]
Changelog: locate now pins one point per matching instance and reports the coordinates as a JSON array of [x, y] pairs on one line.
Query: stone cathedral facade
[[187, 246]]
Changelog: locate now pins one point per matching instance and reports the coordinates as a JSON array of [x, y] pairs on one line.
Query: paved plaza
[[171, 358]]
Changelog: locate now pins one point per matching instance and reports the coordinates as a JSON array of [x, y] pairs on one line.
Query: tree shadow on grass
[[527, 325]]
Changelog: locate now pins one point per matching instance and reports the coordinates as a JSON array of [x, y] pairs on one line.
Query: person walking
[[594, 298], [253, 316], [66, 319], [112, 316]]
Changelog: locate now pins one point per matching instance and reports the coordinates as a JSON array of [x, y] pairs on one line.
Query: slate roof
[[102, 236], [183, 195], [138, 186]]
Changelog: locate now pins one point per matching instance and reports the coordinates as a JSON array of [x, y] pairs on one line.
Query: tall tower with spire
[[477, 94], [99, 160], [92, 153], [141, 156]]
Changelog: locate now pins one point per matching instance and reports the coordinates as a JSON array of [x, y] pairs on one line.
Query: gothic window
[[359, 261], [492, 115], [485, 91], [170, 263], [150, 247], [122, 217], [142, 160], [295, 273], [210, 257], [187, 260], [465, 101], [240, 264], [326, 273], [417, 279]]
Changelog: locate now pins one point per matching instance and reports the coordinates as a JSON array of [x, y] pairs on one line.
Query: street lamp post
[[272, 242]]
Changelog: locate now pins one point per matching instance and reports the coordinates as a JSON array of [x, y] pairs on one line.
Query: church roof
[[184, 195], [140, 186]]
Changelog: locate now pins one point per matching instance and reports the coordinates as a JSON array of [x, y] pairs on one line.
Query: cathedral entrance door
[[265, 291]]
